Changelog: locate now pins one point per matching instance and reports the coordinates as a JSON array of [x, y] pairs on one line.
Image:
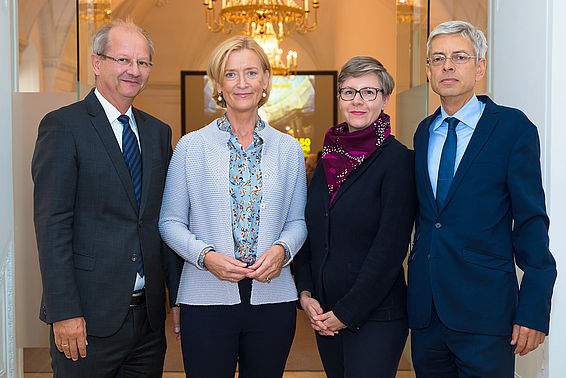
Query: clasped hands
[[267, 267], [325, 323]]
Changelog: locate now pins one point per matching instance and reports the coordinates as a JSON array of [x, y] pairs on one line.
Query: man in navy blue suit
[[481, 211]]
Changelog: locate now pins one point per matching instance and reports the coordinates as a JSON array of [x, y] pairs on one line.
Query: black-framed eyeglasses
[[457, 58], [367, 94], [142, 64]]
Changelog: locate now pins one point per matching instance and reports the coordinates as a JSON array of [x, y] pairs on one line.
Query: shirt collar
[[224, 125], [111, 112], [469, 114]]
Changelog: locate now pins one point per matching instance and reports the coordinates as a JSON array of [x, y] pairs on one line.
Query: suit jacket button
[[438, 225], [428, 256], [134, 257]]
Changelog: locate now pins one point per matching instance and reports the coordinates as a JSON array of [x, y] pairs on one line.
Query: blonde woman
[[233, 209]]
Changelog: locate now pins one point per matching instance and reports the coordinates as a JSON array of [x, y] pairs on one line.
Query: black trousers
[[374, 351], [440, 352], [134, 351], [258, 338]]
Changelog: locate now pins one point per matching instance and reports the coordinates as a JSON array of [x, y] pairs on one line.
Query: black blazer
[[352, 259], [88, 226]]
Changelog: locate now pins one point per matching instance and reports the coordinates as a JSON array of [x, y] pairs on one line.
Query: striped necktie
[[447, 162], [132, 157]]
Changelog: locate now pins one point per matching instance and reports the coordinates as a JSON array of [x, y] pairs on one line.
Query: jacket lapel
[[104, 130], [319, 186], [358, 171], [481, 134], [144, 130], [421, 150]]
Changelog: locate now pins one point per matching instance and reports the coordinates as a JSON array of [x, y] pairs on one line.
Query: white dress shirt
[[112, 114]]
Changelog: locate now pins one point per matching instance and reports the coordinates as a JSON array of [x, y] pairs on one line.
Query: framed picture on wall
[[302, 105]]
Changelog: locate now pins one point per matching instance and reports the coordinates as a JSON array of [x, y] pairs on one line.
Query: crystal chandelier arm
[[302, 25], [214, 23]]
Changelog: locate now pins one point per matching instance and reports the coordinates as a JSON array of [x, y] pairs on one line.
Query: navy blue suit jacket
[[464, 254]]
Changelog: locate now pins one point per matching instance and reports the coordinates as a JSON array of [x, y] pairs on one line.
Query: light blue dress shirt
[[469, 116]]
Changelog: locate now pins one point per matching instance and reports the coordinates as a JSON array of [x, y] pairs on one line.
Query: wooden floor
[[290, 374], [303, 361]]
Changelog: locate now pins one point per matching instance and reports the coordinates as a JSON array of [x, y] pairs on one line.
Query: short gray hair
[[466, 30], [363, 65], [101, 42]]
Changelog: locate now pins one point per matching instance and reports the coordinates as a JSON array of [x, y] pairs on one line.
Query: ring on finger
[[267, 279], [64, 345]]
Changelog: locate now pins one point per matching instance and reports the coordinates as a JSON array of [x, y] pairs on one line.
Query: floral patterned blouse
[[245, 194], [245, 190]]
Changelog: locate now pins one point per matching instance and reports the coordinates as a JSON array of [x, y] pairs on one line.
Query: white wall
[[528, 57], [556, 184], [8, 355]]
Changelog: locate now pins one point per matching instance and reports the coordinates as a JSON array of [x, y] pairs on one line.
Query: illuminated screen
[[301, 105]]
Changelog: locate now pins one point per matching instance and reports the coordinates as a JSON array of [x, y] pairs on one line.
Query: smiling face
[[358, 113], [243, 82], [120, 84], [454, 83]]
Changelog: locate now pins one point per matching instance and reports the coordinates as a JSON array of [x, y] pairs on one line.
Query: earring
[[220, 97], [264, 94]]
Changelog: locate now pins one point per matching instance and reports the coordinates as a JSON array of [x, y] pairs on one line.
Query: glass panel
[[415, 20], [47, 46], [411, 81]]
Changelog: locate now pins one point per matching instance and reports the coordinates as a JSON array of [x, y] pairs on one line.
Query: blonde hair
[[217, 64]]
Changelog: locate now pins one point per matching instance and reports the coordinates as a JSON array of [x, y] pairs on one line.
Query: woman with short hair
[[360, 211]]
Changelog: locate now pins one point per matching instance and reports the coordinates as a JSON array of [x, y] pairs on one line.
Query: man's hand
[[269, 264], [70, 337], [526, 339], [312, 308], [176, 310], [225, 267]]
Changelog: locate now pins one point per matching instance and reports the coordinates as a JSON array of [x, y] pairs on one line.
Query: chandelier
[[267, 22], [265, 36], [95, 10]]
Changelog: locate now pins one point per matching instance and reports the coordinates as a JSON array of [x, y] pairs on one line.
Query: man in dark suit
[[481, 210], [99, 169]]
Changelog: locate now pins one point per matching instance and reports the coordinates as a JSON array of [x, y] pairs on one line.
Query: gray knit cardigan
[[196, 212]]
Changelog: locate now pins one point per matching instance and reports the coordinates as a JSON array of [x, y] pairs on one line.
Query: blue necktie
[[447, 162], [132, 156]]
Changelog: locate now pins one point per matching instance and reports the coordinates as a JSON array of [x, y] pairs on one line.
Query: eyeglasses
[[142, 64], [440, 59], [367, 94]]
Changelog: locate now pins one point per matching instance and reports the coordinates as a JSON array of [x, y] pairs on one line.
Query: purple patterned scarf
[[344, 151]]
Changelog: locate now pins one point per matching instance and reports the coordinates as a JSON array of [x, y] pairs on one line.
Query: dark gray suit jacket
[[88, 226]]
